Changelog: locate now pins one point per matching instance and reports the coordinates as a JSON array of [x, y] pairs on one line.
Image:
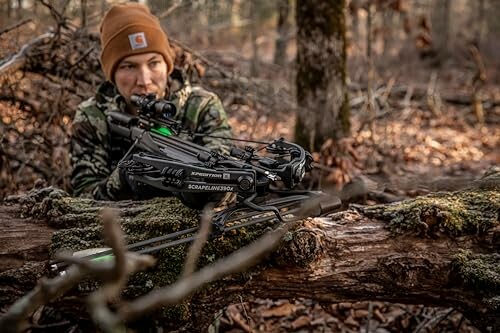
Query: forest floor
[[415, 143]]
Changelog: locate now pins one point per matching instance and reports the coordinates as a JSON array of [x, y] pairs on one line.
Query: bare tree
[[9, 8], [253, 36], [282, 30], [480, 23], [83, 12], [19, 9], [321, 72]]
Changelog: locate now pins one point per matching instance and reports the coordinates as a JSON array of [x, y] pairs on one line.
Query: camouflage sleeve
[[91, 175], [207, 113]]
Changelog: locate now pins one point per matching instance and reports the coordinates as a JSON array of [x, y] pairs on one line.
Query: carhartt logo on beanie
[[130, 29], [138, 40]]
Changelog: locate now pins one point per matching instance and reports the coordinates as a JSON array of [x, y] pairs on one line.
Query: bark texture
[[323, 111], [282, 30], [441, 249]]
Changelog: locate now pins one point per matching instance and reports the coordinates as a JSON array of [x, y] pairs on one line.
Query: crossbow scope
[[152, 107]]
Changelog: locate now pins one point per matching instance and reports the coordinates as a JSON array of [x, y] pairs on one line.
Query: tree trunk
[[480, 22], [323, 110], [9, 9], [83, 12], [446, 27], [254, 64], [441, 249], [282, 31], [19, 9], [370, 9]]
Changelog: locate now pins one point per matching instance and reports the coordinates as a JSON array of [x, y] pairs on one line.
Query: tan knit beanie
[[129, 29]]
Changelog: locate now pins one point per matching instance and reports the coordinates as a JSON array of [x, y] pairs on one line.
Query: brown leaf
[[345, 306], [301, 322], [377, 314], [351, 321], [283, 310], [358, 314]]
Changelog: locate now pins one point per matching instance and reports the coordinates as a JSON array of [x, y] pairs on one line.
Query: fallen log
[[441, 249]]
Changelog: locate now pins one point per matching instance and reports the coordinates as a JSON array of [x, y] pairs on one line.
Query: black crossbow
[[160, 158], [167, 162]]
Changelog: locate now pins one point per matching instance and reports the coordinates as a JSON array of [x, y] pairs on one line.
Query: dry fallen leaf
[[301, 322], [283, 310]]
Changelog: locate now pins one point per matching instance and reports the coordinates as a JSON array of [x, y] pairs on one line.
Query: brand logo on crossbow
[[215, 188], [206, 174]]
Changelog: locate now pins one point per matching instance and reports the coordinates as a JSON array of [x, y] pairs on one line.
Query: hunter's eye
[[154, 63]]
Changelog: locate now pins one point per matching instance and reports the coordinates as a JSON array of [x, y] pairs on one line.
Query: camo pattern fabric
[[95, 153]]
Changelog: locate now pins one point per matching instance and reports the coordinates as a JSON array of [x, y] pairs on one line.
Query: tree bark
[[9, 9], [282, 30], [441, 249], [254, 64], [83, 13], [19, 9], [323, 110]]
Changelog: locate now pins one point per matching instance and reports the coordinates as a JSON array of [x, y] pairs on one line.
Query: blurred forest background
[[423, 80]]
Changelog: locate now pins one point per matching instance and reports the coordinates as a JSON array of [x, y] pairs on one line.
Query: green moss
[[140, 221], [480, 272], [456, 213]]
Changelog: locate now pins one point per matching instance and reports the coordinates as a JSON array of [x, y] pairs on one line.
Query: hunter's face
[[141, 74]]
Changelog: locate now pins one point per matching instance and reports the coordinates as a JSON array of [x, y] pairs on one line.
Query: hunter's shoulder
[[198, 92], [202, 100], [106, 98], [88, 109], [89, 117]]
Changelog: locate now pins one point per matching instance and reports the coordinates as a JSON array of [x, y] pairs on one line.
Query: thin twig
[[199, 242], [98, 300], [17, 60], [170, 9], [433, 320], [15, 26], [244, 309], [236, 262], [16, 318]]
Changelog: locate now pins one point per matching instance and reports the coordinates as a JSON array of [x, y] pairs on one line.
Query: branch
[[17, 60], [15, 26], [201, 239], [170, 9], [98, 300], [16, 318], [236, 262]]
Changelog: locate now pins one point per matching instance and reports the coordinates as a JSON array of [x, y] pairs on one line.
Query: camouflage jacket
[[95, 153]]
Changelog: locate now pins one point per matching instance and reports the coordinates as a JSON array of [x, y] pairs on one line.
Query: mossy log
[[441, 249]]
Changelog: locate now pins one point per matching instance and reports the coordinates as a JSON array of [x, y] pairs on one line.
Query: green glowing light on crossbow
[[103, 258], [162, 131]]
